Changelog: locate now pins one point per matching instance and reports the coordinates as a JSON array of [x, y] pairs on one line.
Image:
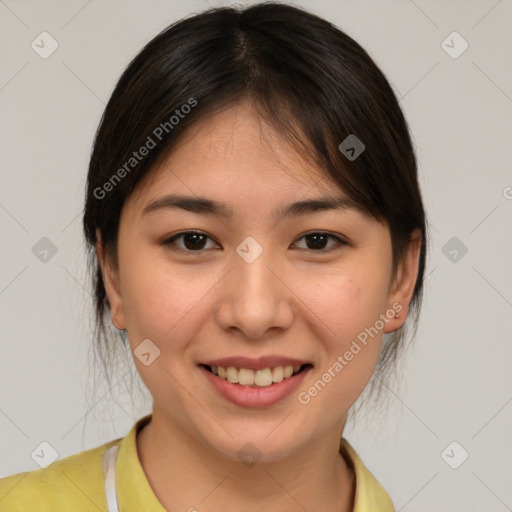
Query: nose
[[255, 297]]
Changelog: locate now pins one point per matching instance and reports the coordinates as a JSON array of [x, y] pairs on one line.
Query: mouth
[[251, 383], [256, 378]]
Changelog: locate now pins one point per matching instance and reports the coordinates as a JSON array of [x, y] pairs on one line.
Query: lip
[[254, 397], [255, 364]]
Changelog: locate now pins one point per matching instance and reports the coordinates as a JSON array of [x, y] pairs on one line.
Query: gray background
[[456, 383]]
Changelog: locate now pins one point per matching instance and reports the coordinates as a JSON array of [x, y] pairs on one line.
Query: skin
[[293, 300]]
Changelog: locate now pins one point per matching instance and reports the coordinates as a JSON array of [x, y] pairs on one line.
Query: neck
[[314, 479]]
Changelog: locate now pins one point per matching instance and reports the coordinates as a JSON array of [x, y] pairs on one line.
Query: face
[[252, 289]]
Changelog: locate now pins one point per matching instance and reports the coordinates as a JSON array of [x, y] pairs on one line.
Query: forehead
[[232, 155]]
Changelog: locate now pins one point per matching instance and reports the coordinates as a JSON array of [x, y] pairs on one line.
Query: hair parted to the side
[[307, 78]]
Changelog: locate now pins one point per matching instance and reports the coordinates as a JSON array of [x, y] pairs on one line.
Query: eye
[[195, 241], [318, 239]]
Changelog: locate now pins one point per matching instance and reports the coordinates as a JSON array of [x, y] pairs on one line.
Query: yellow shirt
[[77, 483]]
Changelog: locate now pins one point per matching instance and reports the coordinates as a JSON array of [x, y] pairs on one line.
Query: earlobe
[[112, 285], [404, 284]]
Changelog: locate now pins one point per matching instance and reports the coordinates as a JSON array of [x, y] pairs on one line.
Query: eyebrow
[[207, 206]]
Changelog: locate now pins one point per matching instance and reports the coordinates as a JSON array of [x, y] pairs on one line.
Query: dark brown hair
[[305, 76]]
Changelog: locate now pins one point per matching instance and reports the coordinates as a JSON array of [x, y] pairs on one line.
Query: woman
[[258, 239]]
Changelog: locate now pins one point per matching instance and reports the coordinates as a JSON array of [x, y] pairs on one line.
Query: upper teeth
[[261, 378]]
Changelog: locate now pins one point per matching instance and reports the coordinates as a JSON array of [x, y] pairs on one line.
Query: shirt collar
[[133, 489], [369, 495]]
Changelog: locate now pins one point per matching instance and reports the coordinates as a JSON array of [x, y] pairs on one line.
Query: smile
[[265, 383]]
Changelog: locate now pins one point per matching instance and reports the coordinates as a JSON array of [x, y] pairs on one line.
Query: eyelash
[[171, 245]]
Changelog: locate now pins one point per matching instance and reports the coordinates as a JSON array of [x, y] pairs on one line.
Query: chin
[[252, 441]]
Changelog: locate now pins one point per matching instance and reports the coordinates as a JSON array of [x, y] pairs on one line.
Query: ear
[[110, 276], [402, 288]]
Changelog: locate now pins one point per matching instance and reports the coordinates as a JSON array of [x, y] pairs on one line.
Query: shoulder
[[74, 480]]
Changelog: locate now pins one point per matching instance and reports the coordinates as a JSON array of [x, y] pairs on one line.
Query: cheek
[[163, 305], [346, 302], [160, 301], [347, 308]]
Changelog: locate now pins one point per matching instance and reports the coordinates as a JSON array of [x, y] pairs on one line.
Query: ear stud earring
[[397, 315]]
